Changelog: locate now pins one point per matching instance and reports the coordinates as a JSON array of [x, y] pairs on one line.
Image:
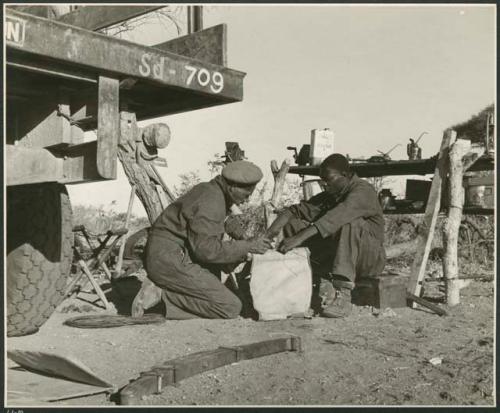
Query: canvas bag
[[281, 284]]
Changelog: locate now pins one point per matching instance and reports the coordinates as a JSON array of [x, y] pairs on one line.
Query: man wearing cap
[[344, 229], [185, 250]]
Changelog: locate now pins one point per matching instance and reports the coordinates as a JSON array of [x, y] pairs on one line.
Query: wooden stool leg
[[106, 270], [96, 286], [70, 286]]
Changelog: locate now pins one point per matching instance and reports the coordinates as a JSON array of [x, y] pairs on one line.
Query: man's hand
[[260, 245], [289, 244], [298, 239], [271, 234]]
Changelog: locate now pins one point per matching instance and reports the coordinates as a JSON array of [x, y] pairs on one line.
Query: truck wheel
[[39, 254]]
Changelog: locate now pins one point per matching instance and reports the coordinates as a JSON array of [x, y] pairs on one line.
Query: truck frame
[[63, 80]]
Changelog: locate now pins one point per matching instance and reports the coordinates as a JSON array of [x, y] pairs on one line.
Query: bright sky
[[376, 75]]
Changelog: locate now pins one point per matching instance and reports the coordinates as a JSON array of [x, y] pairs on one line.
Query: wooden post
[[119, 264], [279, 175], [452, 221], [461, 158], [424, 239]]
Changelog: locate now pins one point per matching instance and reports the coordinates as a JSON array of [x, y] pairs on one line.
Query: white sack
[[281, 284]]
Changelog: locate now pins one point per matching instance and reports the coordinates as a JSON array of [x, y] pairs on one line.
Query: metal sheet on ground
[[55, 365], [26, 388]]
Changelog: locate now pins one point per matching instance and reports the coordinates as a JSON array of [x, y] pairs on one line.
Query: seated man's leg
[[356, 253], [188, 286]]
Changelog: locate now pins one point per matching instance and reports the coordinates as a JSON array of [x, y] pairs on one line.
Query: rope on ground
[[109, 320]]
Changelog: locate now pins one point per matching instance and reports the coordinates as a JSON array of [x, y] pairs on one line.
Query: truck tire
[[39, 254]]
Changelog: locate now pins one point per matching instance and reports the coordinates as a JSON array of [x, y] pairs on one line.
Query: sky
[[375, 75]]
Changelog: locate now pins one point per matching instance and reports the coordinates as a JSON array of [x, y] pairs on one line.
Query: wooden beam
[[38, 165], [393, 168], [108, 129], [99, 17], [424, 242]]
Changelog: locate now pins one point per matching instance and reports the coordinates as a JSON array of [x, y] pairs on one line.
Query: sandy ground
[[369, 358]]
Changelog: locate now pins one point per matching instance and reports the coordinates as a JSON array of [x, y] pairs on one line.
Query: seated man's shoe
[[336, 300]]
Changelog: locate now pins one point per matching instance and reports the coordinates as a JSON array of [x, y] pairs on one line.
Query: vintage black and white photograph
[[249, 205]]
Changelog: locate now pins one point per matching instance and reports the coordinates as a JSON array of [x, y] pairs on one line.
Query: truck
[[63, 80]]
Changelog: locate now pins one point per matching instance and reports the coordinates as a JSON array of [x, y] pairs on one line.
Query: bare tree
[[379, 182], [167, 16]]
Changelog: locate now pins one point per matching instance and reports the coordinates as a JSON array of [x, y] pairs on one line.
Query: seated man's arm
[[307, 210], [361, 202], [298, 239]]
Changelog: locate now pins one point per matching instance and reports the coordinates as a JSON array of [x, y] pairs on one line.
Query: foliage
[[475, 244], [188, 180], [98, 220], [216, 164], [474, 128]]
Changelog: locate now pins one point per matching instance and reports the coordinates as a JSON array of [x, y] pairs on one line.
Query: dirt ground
[[369, 358]]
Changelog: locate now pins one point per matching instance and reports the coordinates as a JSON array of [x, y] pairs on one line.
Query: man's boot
[[336, 298], [148, 296]]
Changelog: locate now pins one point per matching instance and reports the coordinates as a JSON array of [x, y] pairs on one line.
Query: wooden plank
[[100, 17], [425, 237], [58, 366], [424, 303], [173, 371], [108, 129], [208, 45]]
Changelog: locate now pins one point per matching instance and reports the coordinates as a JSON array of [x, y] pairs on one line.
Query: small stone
[[388, 312], [436, 361]]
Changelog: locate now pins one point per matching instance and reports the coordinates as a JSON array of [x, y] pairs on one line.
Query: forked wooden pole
[[279, 175]]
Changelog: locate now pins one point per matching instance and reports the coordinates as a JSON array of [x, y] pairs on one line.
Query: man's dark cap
[[242, 173], [335, 161]]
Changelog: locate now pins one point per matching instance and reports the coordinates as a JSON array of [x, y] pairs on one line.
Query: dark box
[[383, 291], [417, 190]]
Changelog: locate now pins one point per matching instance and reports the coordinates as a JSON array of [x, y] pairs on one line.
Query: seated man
[[344, 229], [185, 250]]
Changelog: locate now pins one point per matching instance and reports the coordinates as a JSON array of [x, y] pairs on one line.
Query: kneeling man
[[185, 251], [344, 229]]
